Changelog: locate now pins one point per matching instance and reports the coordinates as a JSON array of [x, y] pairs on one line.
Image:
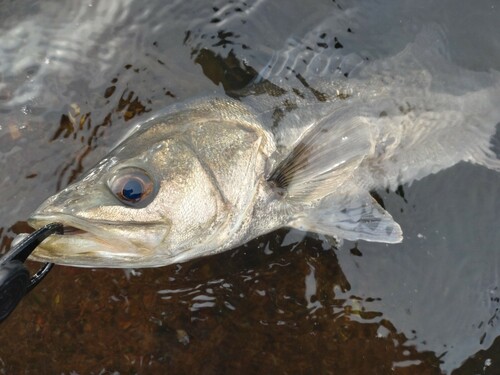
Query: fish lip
[[112, 244], [69, 230], [72, 225]]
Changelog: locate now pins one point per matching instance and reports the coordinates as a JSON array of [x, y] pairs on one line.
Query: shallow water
[[74, 78]]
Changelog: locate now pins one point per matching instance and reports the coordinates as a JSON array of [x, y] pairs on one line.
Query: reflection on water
[[286, 302]]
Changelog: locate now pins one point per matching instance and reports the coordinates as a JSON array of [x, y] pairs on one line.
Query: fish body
[[211, 174], [216, 181]]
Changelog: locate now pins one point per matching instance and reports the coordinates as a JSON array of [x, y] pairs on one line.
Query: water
[[75, 77]]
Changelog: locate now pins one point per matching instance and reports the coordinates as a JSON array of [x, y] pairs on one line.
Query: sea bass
[[213, 173]]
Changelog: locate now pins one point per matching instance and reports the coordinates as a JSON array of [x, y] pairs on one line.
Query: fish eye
[[132, 186]]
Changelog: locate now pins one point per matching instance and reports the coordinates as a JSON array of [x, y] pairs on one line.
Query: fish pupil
[[132, 187], [132, 190]]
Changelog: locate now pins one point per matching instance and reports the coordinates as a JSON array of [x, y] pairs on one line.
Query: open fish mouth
[[86, 243]]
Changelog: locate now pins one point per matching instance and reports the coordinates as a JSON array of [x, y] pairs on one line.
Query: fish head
[[154, 200]]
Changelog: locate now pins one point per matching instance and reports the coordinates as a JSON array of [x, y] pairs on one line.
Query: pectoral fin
[[357, 217], [324, 157]]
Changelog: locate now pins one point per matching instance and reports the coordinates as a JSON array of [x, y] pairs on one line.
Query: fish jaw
[[98, 244]]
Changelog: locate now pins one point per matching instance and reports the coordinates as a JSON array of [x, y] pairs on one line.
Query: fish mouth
[[96, 244]]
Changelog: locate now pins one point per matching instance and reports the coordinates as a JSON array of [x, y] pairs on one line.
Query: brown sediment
[[242, 311]]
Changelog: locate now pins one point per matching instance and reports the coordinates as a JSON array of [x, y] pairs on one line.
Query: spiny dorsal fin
[[324, 157]]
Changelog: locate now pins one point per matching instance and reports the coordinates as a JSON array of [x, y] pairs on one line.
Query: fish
[[212, 173]]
